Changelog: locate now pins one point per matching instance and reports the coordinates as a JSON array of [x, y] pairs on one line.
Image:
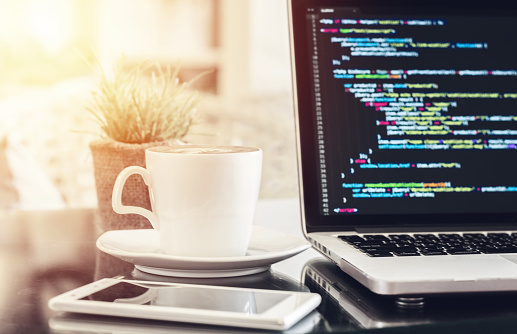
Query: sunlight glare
[[49, 23]]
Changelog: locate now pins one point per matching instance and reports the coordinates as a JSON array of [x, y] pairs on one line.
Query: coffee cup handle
[[116, 198]]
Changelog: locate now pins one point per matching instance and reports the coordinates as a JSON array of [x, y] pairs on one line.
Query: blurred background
[[45, 85]]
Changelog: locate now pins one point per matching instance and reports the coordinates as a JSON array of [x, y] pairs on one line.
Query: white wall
[[269, 62]]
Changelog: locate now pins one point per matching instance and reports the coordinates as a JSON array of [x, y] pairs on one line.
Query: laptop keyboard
[[433, 244]]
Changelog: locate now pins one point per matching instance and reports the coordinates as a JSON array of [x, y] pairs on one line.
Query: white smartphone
[[202, 304]]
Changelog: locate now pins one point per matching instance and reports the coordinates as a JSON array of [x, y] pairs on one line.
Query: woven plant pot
[[109, 159]]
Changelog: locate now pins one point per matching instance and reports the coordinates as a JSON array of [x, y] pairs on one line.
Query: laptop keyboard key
[[380, 254], [500, 250], [433, 252], [460, 250], [376, 237], [402, 253], [400, 237], [352, 238]]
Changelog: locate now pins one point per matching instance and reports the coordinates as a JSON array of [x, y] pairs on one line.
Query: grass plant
[[143, 103]]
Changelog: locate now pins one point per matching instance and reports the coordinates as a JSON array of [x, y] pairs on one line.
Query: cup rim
[[165, 149]]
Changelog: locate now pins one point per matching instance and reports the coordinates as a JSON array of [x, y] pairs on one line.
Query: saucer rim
[[164, 261], [181, 273]]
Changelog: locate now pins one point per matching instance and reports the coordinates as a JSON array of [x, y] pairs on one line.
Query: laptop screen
[[405, 115]]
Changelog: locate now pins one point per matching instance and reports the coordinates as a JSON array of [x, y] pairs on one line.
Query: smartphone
[[201, 304]]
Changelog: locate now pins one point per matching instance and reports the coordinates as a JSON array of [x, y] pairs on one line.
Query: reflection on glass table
[[368, 310]]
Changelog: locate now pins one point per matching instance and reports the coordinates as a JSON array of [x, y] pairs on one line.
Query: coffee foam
[[200, 149]]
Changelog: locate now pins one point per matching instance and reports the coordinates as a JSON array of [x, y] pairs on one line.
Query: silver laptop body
[[406, 121]]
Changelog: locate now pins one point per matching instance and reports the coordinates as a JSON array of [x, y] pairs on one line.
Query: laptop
[[406, 123]]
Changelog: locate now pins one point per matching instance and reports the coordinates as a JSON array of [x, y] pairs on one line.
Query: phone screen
[[181, 296]]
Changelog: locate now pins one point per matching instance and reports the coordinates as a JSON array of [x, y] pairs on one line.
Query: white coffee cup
[[203, 197]]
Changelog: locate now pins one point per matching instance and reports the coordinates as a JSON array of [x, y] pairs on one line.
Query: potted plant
[[136, 108]]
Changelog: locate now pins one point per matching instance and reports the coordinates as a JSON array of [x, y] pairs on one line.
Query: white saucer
[[141, 247]]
